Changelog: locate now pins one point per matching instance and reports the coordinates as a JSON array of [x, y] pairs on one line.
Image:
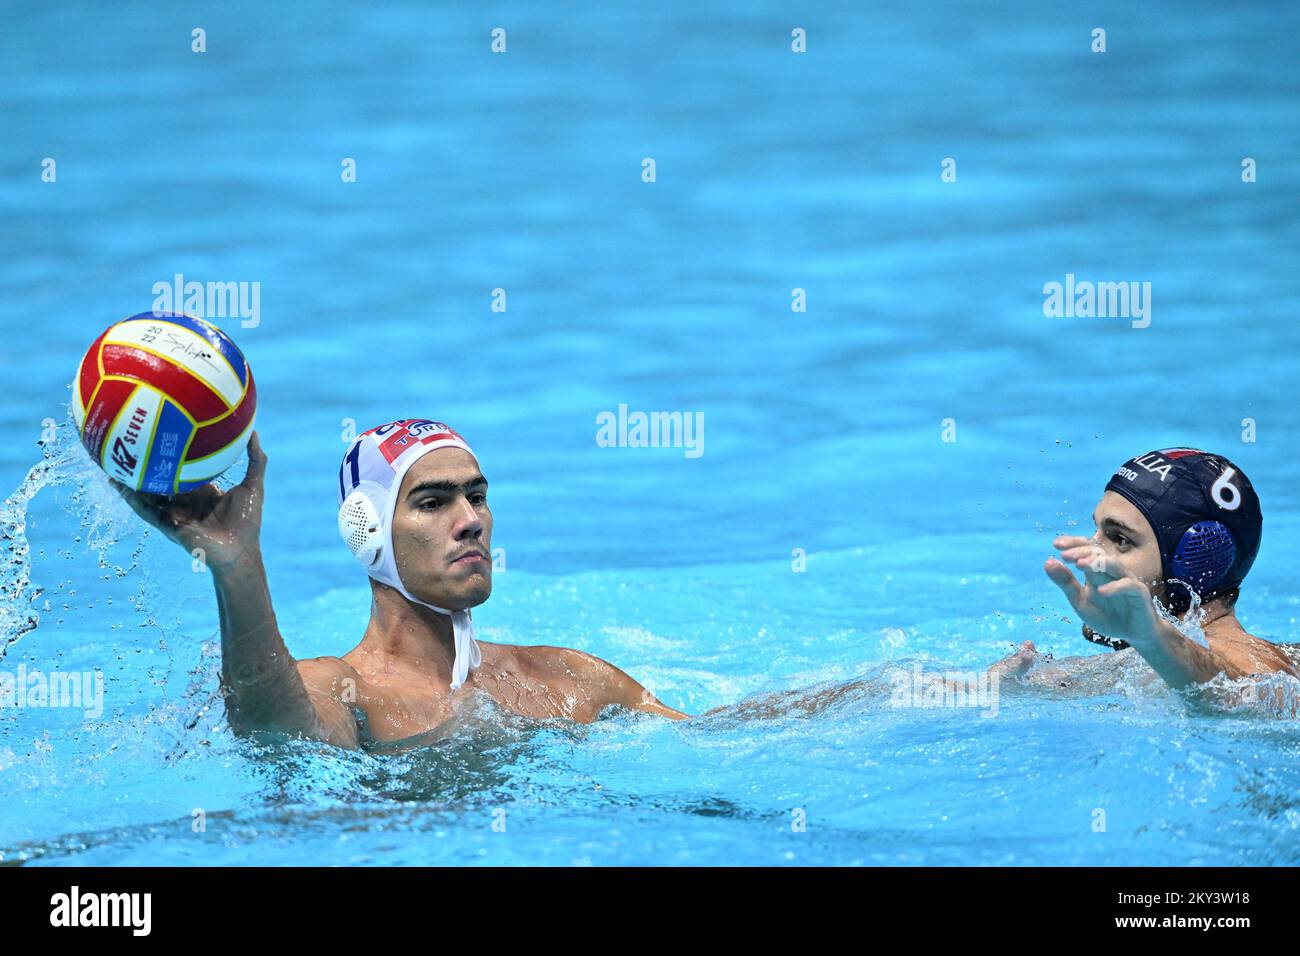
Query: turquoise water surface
[[824, 430]]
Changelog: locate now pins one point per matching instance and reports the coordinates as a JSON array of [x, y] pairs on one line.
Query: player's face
[[442, 531], [1123, 532]]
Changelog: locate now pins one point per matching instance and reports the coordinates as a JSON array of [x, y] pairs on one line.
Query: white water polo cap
[[369, 481]]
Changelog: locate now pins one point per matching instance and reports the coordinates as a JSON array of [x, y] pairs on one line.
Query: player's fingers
[[1062, 541], [1115, 588], [142, 505], [1063, 578], [193, 504], [1085, 550], [256, 474], [1099, 567], [201, 493]]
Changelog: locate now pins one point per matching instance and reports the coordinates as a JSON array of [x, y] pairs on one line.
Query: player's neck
[[1221, 624], [417, 635]]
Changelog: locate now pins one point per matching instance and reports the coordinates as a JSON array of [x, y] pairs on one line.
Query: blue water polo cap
[[1204, 512]]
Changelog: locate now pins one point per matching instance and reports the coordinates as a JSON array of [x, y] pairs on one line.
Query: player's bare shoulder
[[1258, 656], [336, 691], [330, 676], [564, 682], [561, 663]]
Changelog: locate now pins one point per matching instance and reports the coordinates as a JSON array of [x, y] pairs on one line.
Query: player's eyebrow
[[1109, 522], [452, 487]]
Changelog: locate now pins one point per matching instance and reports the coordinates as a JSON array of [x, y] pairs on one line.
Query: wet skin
[[399, 675], [1121, 574]]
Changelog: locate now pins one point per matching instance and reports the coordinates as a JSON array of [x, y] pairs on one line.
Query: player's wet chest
[[403, 706]]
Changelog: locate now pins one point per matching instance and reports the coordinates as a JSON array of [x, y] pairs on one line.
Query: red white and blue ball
[[164, 402]]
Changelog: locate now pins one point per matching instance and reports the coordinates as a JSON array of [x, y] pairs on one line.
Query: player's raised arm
[[263, 688], [1111, 600]]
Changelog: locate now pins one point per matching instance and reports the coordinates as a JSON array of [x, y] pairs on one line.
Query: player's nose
[[468, 521]]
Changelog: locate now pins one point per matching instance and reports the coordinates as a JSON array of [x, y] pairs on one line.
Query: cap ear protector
[[1204, 556], [360, 524]]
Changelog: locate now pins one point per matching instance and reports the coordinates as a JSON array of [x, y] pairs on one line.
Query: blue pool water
[[775, 171]]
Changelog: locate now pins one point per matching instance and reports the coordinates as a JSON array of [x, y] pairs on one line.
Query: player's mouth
[[471, 557]]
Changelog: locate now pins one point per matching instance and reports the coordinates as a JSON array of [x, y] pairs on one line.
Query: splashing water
[[103, 523], [59, 464], [1192, 623]]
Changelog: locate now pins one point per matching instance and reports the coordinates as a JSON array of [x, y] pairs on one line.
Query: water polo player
[[1180, 526], [413, 511]]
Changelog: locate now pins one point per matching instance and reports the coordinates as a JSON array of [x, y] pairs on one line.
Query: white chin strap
[[368, 532], [468, 655]]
